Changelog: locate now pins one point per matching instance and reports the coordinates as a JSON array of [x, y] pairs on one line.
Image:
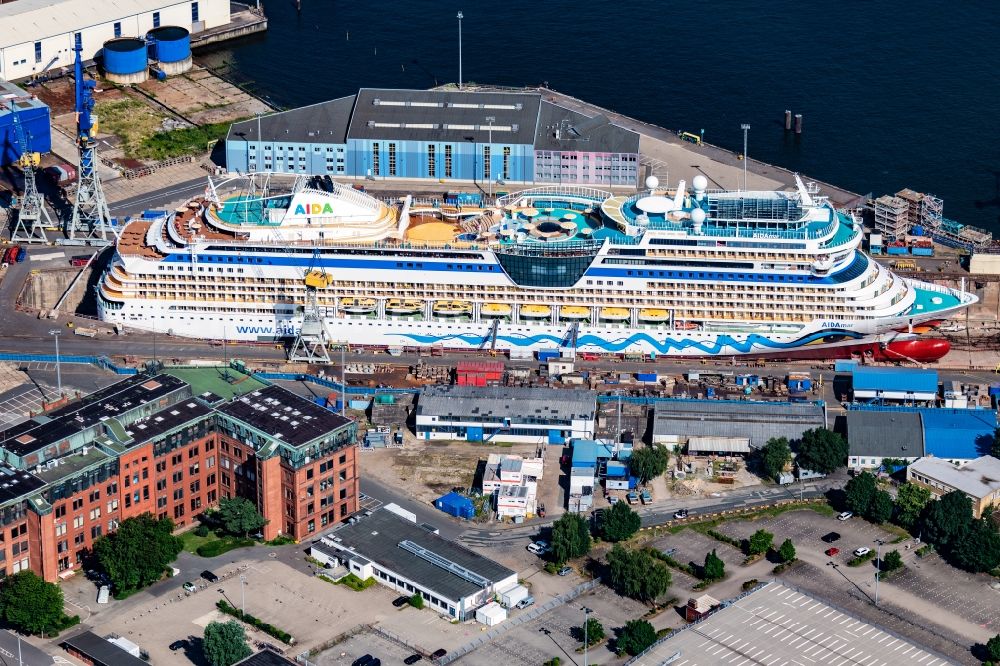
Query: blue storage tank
[[125, 60], [170, 46]]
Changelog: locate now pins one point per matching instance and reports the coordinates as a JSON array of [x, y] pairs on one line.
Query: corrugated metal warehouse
[[32, 114], [37, 36], [676, 421], [874, 435], [896, 384], [956, 435]]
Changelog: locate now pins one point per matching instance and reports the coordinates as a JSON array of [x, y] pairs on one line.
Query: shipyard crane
[[91, 220], [312, 344], [32, 216]]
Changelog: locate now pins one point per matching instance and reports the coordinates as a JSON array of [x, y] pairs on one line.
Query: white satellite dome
[[699, 182], [698, 216], [652, 182]]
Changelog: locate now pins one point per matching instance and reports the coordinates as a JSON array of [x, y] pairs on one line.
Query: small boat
[[496, 310], [574, 312], [535, 311], [452, 308], [398, 306], [653, 315], [615, 314], [352, 305]]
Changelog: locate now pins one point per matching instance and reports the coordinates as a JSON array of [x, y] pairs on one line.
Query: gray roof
[[979, 478], [561, 129], [719, 444], [377, 538], [266, 658], [758, 421], [101, 652], [498, 402], [325, 122], [885, 434], [452, 116]]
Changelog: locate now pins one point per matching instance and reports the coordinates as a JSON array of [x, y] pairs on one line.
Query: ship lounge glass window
[[392, 159], [486, 163], [431, 166], [375, 160], [447, 161], [506, 162]]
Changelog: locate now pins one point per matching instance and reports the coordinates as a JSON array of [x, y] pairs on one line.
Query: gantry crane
[[32, 216], [312, 344]]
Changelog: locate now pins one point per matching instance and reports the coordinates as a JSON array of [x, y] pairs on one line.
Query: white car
[[535, 549], [861, 552], [846, 515], [190, 587]]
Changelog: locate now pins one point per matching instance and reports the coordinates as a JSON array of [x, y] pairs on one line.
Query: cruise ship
[[681, 271]]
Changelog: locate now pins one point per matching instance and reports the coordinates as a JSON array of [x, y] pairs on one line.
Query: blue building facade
[[479, 137], [34, 118]]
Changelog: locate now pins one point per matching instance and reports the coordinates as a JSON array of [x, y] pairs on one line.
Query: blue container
[[169, 43], [897, 250], [646, 377], [994, 389], [922, 251], [456, 505], [547, 354], [125, 56], [844, 366], [710, 392]]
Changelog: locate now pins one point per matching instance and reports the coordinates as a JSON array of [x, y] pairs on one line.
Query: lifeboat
[[452, 308], [352, 305], [573, 312], [535, 311], [653, 315], [398, 306], [615, 314], [686, 326], [495, 310]]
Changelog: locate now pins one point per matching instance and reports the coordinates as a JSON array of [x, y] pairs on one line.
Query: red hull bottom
[[923, 351]]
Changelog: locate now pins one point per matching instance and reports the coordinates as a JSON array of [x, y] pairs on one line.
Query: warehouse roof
[[99, 651], [758, 421], [958, 433], [885, 434], [325, 122], [562, 129], [284, 415], [498, 402], [979, 478], [378, 538], [445, 115], [31, 20], [266, 658], [719, 445], [895, 379]]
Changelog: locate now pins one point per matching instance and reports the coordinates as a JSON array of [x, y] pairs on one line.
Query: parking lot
[[360, 644], [691, 547], [779, 625]]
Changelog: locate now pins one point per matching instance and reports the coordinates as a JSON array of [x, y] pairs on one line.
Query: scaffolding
[[892, 217]]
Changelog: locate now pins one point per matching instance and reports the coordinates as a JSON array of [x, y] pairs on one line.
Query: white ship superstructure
[[665, 272]]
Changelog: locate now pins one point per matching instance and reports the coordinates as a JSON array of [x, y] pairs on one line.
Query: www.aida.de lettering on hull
[[671, 272]]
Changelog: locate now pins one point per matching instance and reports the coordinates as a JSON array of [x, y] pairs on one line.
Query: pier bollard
[[798, 123], [788, 120]]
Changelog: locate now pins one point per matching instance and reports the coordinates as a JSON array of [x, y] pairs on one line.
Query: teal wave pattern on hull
[[662, 347]]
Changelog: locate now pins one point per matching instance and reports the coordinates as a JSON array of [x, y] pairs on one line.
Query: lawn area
[[130, 120], [186, 141], [213, 545], [191, 540]]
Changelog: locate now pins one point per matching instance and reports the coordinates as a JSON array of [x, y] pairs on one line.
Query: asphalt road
[[158, 198]]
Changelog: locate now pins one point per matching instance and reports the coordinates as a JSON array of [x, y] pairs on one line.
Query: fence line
[[519, 620]]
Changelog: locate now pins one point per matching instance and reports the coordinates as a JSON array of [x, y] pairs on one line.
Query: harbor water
[[893, 94]]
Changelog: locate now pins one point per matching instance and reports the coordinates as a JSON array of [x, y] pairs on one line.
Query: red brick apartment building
[[151, 444]]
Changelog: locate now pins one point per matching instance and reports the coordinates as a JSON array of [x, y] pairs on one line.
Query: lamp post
[[488, 165], [243, 596], [56, 333], [460, 17], [586, 639], [878, 567], [745, 127]]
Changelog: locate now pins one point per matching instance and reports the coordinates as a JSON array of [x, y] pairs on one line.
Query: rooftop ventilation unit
[[444, 563]]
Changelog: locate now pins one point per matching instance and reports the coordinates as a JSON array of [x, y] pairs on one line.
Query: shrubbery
[[255, 622]]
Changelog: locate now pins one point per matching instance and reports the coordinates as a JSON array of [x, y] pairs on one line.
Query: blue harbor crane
[[91, 220], [32, 216]]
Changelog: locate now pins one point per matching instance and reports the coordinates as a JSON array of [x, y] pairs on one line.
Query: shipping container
[[646, 377], [894, 250], [80, 260], [547, 354], [922, 251]]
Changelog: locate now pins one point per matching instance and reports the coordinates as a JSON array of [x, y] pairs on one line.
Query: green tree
[[593, 634], [910, 501], [787, 550], [620, 522], [137, 553], [859, 492], [821, 450], [759, 542], [225, 643], [977, 548], [945, 519], [774, 455], [892, 561], [570, 538], [635, 636], [239, 515], [31, 605], [993, 647], [649, 462], [880, 509], [417, 601], [715, 568], [637, 573]]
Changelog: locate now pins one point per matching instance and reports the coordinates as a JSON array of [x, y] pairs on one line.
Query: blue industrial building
[[894, 384], [34, 118], [958, 434], [439, 135]]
